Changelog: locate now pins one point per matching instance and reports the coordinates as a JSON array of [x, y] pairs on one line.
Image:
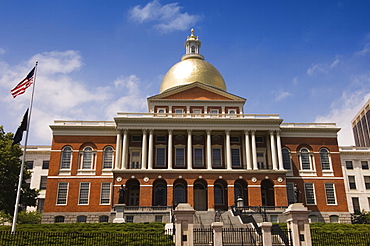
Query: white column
[[247, 151], [144, 150], [170, 111], [254, 150], [118, 150], [169, 149], [150, 151], [273, 151], [209, 150], [124, 149], [190, 150], [228, 150], [279, 152]]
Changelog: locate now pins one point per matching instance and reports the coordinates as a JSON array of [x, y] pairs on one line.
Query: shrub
[[25, 217]]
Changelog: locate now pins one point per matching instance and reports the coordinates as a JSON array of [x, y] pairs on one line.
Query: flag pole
[[15, 216]]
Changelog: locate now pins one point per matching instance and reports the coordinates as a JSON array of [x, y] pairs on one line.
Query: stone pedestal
[[184, 224], [297, 221], [120, 213], [266, 233], [217, 233]]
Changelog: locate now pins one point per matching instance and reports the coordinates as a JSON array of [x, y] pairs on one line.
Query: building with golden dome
[[196, 145]]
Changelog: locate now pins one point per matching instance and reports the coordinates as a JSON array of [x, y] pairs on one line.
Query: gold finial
[[192, 37]]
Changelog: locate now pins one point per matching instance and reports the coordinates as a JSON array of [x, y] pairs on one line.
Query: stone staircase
[[203, 219]]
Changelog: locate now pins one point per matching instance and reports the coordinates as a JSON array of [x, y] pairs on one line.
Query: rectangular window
[[198, 157], [352, 182], [160, 157], [349, 165], [84, 193], [158, 218], [234, 139], [356, 205], [290, 192], [180, 157], [261, 161], [160, 139], [129, 218], [330, 194], [135, 159], [310, 193], [43, 182], [367, 182], [45, 164], [197, 112], [136, 138], [40, 204], [105, 193], [260, 139], [216, 157], [179, 112], [29, 164], [62, 193], [235, 158], [365, 165]]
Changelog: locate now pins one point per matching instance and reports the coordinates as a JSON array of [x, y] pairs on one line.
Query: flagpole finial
[[37, 62]]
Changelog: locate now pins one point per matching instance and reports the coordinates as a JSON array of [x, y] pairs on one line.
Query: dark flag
[[22, 127], [24, 84]]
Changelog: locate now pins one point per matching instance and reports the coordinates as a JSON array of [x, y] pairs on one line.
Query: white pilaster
[[169, 149], [209, 149], [254, 150], [124, 149], [189, 151], [150, 151], [273, 150], [117, 162], [228, 150], [248, 151], [279, 152], [144, 150]]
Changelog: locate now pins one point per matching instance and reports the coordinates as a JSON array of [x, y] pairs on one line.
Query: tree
[[10, 164], [360, 217]]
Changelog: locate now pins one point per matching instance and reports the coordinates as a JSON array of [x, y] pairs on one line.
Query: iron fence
[[203, 236], [241, 236], [104, 239], [280, 236], [334, 239]]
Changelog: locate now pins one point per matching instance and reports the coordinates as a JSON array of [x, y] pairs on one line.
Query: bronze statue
[[121, 198]]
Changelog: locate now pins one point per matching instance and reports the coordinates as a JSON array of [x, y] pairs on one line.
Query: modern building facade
[[361, 126], [195, 145]]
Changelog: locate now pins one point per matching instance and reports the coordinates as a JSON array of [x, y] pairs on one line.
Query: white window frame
[[307, 172], [104, 157], [180, 147], [265, 166], [105, 193], [62, 196], [213, 159], [92, 162], [236, 147], [313, 191], [290, 158], [197, 112], [201, 147], [161, 146], [214, 112], [135, 150], [85, 196], [179, 112], [62, 168], [161, 113], [326, 172], [327, 195]]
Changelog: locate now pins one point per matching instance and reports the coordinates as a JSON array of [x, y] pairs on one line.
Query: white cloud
[[2, 51], [167, 17], [318, 68], [281, 95], [295, 81], [364, 51], [342, 112]]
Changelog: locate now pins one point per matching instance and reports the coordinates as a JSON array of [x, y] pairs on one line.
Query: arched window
[[108, 158], [81, 219], [305, 159], [193, 49], [59, 219], [103, 219], [286, 159], [179, 194], [324, 158], [66, 158], [87, 158], [160, 195], [313, 218], [219, 194], [334, 218]]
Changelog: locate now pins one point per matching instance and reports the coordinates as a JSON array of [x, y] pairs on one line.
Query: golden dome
[[192, 69]]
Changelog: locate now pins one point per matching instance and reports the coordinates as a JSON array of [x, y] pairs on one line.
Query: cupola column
[[124, 149], [273, 150], [144, 150], [209, 149], [248, 151], [228, 150], [254, 150], [118, 150], [279, 152], [150, 152], [189, 153], [169, 148]]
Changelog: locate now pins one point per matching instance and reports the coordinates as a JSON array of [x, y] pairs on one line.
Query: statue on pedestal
[[122, 192]]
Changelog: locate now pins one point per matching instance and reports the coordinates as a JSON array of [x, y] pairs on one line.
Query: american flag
[[24, 84]]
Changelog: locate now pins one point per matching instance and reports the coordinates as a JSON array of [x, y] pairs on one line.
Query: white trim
[[80, 177], [282, 186], [254, 186], [303, 178]]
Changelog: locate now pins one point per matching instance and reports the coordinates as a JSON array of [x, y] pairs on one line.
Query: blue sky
[[308, 61]]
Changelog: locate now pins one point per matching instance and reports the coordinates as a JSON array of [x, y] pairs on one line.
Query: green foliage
[[360, 218], [25, 217], [5, 218], [10, 164]]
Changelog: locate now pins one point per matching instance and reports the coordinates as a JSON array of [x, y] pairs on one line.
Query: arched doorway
[[133, 190], [159, 193], [220, 195], [200, 195], [180, 194], [241, 190], [267, 193]]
